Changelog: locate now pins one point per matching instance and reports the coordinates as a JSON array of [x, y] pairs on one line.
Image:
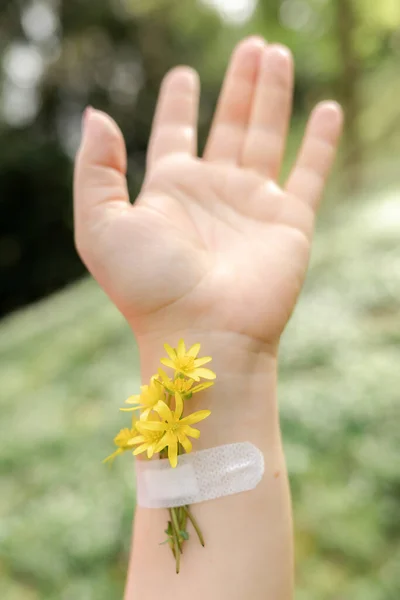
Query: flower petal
[[194, 350], [145, 414], [178, 405], [141, 449], [113, 455], [173, 453], [136, 440], [205, 373], [191, 431], [181, 349], [170, 351], [152, 425], [192, 374], [156, 387], [165, 413], [202, 361], [130, 409], [167, 362], [161, 444], [133, 399], [201, 387], [185, 442], [196, 417], [164, 377], [122, 437]]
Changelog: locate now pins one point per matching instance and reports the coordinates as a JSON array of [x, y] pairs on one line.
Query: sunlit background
[[67, 359]]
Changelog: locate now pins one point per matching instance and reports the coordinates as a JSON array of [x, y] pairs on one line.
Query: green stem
[[195, 524], [182, 518], [171, 544], [177, 549], [175, 524]]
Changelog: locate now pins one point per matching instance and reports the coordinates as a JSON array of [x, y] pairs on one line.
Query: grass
[[66, 363]]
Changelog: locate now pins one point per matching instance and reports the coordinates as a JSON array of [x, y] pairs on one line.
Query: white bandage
[[199, 476]]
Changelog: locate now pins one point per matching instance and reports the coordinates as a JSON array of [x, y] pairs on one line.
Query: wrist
[[243, 399]]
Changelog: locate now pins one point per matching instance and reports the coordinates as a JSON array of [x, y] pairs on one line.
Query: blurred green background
[[67, 361]]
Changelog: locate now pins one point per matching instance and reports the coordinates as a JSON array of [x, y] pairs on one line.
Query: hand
[[211, 243]]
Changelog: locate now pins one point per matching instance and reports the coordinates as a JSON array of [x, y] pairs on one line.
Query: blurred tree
[[349, 84]]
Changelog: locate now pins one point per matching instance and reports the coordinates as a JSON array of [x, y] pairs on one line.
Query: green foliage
[[67, 364], [339, 393]]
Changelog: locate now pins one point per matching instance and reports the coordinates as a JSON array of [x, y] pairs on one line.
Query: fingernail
[[255, 39], [280, 49], [253, 43], [334, 110]]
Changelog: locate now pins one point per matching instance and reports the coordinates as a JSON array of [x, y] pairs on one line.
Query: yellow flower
[[185, 362], [174, 428], [148, 439], [181, 385], [124, 441], [150, 395]]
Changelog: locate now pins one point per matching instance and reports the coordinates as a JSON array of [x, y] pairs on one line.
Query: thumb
[[100, 170]]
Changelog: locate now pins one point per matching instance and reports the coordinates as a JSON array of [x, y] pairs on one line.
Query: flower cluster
[[159, 427]]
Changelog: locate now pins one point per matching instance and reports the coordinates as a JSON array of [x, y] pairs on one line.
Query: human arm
[[213, 251]]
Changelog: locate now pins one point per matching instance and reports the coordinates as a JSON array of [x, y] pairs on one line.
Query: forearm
[[248, 551]]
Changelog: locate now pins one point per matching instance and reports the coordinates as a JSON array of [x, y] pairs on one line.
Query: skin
[[216, 252]]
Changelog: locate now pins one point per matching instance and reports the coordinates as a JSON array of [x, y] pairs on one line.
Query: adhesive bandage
[[199, 476]]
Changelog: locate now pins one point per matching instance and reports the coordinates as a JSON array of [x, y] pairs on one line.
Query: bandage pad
[[199, 476]]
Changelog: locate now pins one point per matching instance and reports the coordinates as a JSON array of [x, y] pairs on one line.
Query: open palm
[[211, 243]]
